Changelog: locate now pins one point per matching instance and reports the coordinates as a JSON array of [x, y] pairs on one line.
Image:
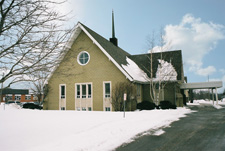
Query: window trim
[[17, 97], [87, 95], [76, 90], [78, 58], [107, 99], [108, 109], [26, 97], [104, 89], [84, 87], [60, 91], [60, 97], [9, 96]]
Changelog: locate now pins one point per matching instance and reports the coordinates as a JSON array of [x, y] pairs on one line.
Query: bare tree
[[165, 72], [118, 95], [31, 38], [38, 85], [151, 43]]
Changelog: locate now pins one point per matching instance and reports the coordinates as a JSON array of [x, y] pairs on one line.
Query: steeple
[[113, 39], [113, 28]]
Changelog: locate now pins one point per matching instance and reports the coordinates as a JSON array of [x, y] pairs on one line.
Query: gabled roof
[[122, 60], [118, 54], [114, 53]]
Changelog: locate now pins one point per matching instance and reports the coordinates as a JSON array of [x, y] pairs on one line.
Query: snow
[[35, 130], [165, 71], [208, 103], [134, 71]]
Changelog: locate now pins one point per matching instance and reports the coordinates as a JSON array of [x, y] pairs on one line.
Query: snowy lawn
[[34, 130]]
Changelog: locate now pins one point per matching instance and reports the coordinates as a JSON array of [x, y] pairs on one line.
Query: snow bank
[[11, 106], [208, 103], [35, 130]]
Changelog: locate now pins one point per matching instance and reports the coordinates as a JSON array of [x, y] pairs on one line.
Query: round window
[[83, 58]]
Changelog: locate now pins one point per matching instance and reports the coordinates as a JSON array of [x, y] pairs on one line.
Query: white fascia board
[[103, 50]]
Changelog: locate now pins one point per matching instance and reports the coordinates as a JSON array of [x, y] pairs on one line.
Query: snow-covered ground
[[35, 130], [208, 103]]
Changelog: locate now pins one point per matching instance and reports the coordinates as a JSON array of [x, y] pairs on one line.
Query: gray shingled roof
[[119, 55], [14, 91], [173, 57]]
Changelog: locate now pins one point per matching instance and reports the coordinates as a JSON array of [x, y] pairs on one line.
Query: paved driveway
[[200, 131]]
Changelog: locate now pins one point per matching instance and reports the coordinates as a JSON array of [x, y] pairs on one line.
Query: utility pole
[[208, 90]]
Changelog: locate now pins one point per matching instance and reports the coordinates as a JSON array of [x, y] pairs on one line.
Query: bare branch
[[31, 37]]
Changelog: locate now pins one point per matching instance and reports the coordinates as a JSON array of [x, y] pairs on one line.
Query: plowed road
[[203, 130]]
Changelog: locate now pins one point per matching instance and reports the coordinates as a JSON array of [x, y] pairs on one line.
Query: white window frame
[[79, 98], [60, 91], [17, 97], [89, 108], [78, 58], [9, 96], [76, 89], [108, 109], [87, 95], [60, 97], [104, 89], [107, 97], [27, 97]]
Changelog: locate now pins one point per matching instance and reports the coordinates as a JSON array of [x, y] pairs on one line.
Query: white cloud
[[196, 39], [222, 71], [206, 71]]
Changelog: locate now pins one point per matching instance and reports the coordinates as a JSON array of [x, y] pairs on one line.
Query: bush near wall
[[167, 105], [146, 105]]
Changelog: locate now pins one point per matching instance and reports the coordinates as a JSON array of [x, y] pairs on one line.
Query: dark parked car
[[32, 106]]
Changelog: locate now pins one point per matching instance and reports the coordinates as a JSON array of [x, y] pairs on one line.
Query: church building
[[92, 66]]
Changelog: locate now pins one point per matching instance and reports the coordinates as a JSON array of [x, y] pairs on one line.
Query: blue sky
[[195, 27]]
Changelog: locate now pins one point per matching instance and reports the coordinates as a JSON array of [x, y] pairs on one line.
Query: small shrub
[[146, 105], [167, 105], [173, 106]]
